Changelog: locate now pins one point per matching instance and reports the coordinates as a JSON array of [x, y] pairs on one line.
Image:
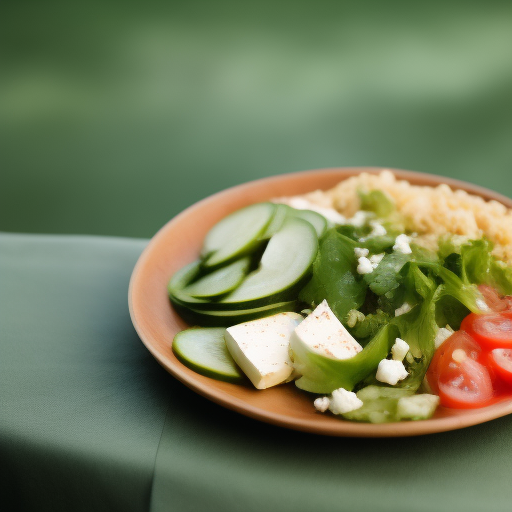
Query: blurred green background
[[115, 116]]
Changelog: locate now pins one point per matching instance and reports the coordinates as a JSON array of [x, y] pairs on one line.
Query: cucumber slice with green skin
[[285, 265], [233, 317], [319, 222], [282, 211], [204, 351], [237, 234], [219, 282], [179, 282]]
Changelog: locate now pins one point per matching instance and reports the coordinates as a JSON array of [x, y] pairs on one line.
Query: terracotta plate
[[178, 243]]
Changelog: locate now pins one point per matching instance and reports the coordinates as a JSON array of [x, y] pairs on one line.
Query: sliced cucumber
[[204, 351], [179, 282], [237, 234], [282, 211], [228, 318], [318, 221], [284, 266], [219, 282]]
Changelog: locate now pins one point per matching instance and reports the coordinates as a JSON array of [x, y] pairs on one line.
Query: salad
[[379, 298]]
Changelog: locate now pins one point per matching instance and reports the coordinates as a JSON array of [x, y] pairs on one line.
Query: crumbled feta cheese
[[459, 355], [417, 407], [482, 305], [391, 371], [344, 401], [364, 265], [402, 244], [261, 348], [399, 349], [442, 335], [360, 252], [353, 317], [376, 259], [324, 334], [404, 308], [322, 404], [359, 219], [377, 229]]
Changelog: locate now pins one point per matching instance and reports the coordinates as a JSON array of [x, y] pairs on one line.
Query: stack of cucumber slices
[[253, 264]]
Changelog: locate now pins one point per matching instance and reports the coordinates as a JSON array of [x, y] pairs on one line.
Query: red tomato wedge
[[501, 360], [491, 331], [456, 375]]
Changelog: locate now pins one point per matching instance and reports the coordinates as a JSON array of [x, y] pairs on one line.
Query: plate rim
[[317, 424]]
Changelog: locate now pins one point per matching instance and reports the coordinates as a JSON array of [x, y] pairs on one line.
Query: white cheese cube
[[360, 252], [364, 265], [343, 401], [390, 371], [261, 348], [376, 259], [377, 229], [324, 334], [322, 403], [399, 349], [402, 244]]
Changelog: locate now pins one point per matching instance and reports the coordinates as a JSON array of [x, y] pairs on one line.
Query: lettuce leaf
[[321, 374], [334, 276]]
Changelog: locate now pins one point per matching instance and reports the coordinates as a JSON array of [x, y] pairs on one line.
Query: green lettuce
[[334, 276], [321, 374]]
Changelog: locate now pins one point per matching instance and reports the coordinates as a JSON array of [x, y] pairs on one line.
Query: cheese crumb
[[402, 244], [404, 308], [364, 266], [359, 219], [399, 349], [360, 252], [377, 229], [390, 371], [322, 404], [344, 401], [376, 259]]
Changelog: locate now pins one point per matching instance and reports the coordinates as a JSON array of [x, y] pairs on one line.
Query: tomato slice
[[457, 376], [501, 360], [465, 384], [491, 331]]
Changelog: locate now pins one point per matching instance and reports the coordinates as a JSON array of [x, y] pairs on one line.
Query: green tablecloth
[[89, 421], [114, 116]]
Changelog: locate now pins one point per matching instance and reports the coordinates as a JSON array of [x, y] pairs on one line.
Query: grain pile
[[429, 211]]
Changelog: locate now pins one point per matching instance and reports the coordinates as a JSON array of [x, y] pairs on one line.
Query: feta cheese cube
[[399, 349], [261, 348], [324, 334], [390, 371], [343, 401], [376, 259], [364, 265], [377, 229], [360, 252], [322, 404], [402, 244]]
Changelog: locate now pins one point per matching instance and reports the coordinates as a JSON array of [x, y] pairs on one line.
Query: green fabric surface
[[82, 402], [117, 114]]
